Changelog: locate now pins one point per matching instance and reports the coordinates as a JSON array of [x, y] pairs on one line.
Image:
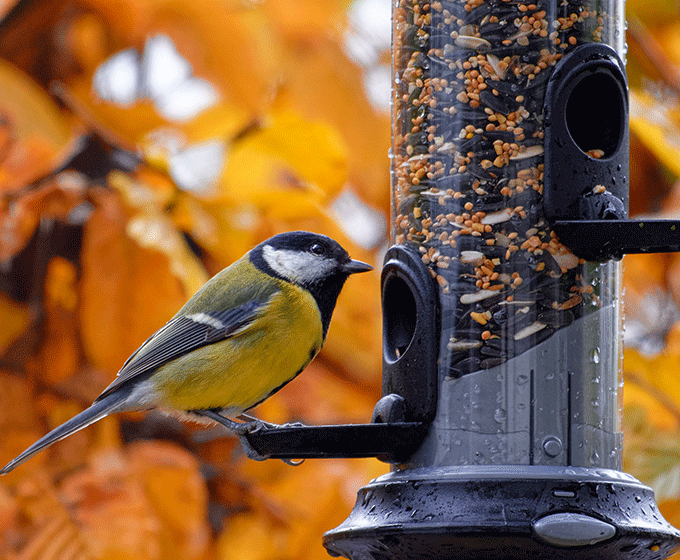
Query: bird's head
[[306, 259], [314, 262]]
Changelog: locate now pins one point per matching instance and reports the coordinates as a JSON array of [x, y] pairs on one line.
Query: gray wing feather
[[180, 336]]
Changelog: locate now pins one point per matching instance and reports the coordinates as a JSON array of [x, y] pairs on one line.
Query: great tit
[[247, 332]]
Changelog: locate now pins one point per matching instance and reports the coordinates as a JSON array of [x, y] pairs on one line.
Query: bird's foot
[[249, 426], [263, 424], [239, 429]]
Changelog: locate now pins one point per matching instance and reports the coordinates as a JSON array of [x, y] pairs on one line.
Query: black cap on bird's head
[[310, 260]]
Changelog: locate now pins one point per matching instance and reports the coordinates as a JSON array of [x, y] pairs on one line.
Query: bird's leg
[[268, 425], [260, 423], [239, 429]]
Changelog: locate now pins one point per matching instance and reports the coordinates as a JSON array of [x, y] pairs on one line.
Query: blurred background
[[145, 145]]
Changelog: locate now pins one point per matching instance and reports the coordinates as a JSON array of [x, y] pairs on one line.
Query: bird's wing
[[180, 336]]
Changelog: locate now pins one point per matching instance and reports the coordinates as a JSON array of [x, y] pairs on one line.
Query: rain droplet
[[501, 415], [595, 358]]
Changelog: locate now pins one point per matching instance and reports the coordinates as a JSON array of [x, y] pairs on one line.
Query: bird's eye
[[317, 249]]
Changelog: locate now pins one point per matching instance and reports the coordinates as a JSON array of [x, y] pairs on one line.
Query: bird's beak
[[352, 267]]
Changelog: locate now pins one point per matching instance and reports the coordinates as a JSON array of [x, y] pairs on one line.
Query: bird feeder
[[502, 290], [501, 295]]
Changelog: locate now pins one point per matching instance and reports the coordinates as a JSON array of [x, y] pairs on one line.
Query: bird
[[251, 329]]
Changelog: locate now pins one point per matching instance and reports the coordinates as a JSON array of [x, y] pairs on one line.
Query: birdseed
[[467, 162]]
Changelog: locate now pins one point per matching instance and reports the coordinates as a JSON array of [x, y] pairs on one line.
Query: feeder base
[[506, 511]]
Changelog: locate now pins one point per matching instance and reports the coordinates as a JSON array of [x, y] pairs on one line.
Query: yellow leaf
[[322, 84], [652, 121], [654, 376], [145, 191], [224, 230], [288, 167]]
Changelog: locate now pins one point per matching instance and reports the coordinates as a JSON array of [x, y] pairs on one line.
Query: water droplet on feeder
[[595, 358], [500, 415]]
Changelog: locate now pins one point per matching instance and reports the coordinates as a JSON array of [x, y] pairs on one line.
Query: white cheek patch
[[297, 266]]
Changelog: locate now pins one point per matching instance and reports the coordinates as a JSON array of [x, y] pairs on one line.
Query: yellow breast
[[240, 372]]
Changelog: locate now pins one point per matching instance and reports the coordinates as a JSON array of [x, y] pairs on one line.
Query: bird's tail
[[100, 409]]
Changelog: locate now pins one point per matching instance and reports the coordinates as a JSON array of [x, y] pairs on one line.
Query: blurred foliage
[[117, 202], [651, 416], [145, 145]]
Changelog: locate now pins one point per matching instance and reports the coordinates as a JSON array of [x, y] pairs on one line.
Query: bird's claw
[[251, 425], [248, 449], [247, 428], [255, 425]]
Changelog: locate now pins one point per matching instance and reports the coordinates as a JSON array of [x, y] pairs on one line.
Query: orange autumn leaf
[[48, 528], [114, 516], [59, 354], [127, 291], [15, 319], [59, 198], [151, 227], [18, 420], [173, 484], [34, 134]]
